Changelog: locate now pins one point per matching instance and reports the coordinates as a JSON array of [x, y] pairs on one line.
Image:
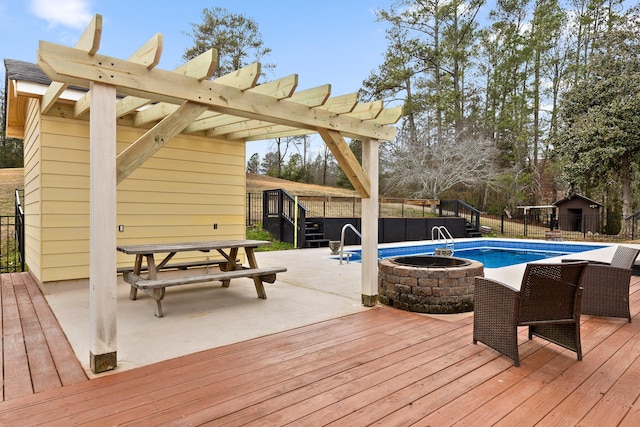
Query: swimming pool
[[493, 253], [496, 258]]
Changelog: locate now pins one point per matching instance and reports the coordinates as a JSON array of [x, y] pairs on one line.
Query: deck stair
[[314, 235], [471, 231]]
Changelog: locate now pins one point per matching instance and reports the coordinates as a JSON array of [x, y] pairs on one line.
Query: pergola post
[[102, 243], [370, 225]]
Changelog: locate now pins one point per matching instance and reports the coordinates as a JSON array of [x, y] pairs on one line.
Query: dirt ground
[[259, 183]]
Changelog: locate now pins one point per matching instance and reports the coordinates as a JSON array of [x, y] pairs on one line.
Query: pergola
[[233, 107]]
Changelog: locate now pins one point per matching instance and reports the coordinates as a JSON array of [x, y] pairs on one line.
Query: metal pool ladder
[[344, 228], [440, 233]]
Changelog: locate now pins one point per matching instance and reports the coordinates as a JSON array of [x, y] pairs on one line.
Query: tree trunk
[[627, 195]]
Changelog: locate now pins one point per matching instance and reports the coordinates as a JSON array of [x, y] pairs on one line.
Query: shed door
[[575, 219]]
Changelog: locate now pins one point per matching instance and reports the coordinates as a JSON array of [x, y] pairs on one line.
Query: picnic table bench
[[229, 267], [179, 265]]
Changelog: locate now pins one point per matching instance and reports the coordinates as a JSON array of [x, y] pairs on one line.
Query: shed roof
[[25, 71], [577, 196]]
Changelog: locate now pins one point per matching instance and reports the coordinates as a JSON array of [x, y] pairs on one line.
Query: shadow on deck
[[380, 366]]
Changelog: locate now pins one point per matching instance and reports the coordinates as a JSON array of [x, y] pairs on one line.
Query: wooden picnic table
[[229, 267]]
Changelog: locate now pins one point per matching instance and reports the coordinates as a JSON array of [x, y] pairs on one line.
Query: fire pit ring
[[428, 284]]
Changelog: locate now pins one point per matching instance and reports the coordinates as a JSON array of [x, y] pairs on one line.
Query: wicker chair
[[548, 302], [606, 285]]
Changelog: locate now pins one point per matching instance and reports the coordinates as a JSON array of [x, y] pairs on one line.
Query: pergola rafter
[[200, 67], [148, 55], [90, 43]]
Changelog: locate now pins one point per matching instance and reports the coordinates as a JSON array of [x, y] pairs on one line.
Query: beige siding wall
[[178, 195], [32, 190]]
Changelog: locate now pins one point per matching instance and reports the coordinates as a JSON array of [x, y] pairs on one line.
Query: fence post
[[248, 210], [295, 223], [280, 212], [502, 224]]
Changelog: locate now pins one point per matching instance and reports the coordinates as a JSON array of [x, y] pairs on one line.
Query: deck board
[[35, 354], [69, 369], [378, 367], [41, 367], [16, 376]]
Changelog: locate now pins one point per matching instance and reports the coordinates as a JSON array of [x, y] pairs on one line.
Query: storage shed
[[118, 152], [578, 213]]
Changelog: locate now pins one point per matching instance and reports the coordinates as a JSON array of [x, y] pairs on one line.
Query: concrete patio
[[203, 316]]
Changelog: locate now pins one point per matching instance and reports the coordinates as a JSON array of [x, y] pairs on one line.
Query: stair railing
[[344, 229], [282, 216], [461, 209]]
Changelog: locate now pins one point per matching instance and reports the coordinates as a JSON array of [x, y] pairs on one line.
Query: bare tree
[[428, 169]]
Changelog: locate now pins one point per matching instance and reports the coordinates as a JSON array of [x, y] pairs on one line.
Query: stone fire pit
[[428, 284]]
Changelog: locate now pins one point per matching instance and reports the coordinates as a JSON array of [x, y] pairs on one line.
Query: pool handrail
[[344, 228], [442, 234]]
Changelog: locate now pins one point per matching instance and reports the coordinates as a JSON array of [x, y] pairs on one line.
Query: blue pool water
[[493, 253], [496, 258]]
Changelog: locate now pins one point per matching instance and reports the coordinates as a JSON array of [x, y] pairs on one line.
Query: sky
[[332, 41]]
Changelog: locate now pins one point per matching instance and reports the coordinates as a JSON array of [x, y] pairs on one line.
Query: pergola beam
[[201, 67], [251, 128], [270, 131], [279, 89], [243, 79], [149, 55], [313, 97], [74, 66], [338, 104]]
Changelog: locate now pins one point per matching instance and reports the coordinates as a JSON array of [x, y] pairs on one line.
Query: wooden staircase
[[314, 235], [470, 231]]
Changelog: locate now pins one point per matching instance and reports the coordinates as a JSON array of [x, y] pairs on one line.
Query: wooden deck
[[35, 354], [379, 367]]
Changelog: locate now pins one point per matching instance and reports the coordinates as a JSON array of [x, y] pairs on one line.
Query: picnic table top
[[190, 246]]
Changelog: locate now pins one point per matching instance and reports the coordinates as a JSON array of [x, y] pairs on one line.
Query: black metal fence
[[564, 226], [10, 246], [12, 238], [531, 226], [347, 207]]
